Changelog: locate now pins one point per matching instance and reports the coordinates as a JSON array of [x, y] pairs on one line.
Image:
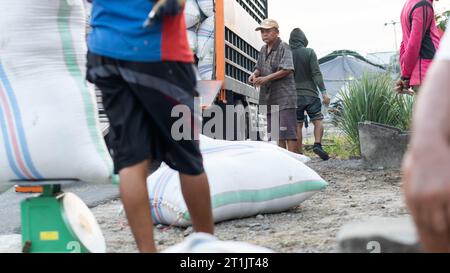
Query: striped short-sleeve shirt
[[280, 92]]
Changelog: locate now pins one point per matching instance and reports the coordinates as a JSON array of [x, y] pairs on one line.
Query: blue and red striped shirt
[[117, 32]]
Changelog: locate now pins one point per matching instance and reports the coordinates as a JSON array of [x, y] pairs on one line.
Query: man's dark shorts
[[138, 98], [312, 105], [287, 125]]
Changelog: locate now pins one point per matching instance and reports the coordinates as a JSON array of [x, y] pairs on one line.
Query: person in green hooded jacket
[[308, 82]]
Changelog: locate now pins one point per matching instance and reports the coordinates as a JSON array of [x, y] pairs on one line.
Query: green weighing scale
[[58, 222]]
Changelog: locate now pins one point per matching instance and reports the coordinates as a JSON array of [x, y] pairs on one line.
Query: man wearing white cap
[[274, 75]]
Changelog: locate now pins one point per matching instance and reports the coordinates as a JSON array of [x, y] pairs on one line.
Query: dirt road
[[353, 194]]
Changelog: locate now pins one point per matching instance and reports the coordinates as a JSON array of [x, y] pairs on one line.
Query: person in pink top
[[421, 39], [426, 168]]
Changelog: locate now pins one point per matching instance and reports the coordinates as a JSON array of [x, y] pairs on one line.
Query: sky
[[343, 24]]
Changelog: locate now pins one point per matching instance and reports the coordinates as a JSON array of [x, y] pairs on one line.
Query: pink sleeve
[[412, 49]]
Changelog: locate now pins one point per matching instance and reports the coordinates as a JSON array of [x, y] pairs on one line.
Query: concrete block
[[379, 235], [382, 145]]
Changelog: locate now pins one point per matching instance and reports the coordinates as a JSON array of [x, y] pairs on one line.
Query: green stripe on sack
[[263, 195], [74, 70]]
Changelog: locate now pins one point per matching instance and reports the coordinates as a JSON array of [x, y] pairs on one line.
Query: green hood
[[298, 39]]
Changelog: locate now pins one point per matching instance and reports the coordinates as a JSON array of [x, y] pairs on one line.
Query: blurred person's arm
[[171, 7], [253, 76], [258, 67], [318, 77], [163, 8], [280, 74], [427, 164]]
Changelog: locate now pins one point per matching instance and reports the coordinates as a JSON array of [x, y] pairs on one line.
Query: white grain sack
[[48, 116]]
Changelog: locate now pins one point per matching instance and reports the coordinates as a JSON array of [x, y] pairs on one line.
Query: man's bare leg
[[299, 138], [282, 144], [318, 135], [292, 146], [318, 130], [197, 196], [134, 196]]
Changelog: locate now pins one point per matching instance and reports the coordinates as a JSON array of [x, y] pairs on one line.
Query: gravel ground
[[353, 194]]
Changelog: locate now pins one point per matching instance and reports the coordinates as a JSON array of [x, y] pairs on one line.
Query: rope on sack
[[172, 208], [155, 202]]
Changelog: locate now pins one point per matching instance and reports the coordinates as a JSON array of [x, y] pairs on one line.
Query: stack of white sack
[[207, 7], [49, 126], [192, 37], [246, 178], [200, 23], [205, 50], [192, 14]]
